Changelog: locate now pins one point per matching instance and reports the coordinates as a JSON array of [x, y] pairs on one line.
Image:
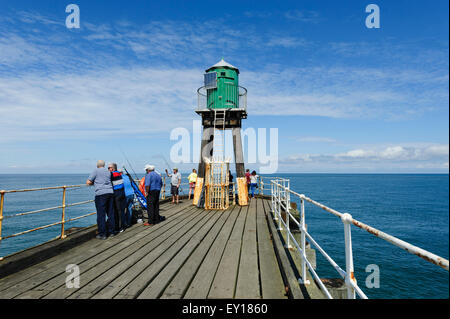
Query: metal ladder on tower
[[219, 149]]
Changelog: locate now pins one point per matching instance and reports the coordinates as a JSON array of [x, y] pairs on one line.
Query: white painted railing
[[281, 201]]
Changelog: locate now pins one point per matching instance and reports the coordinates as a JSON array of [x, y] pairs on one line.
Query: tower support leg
[[238, 152], [206, 150], [240, 168]]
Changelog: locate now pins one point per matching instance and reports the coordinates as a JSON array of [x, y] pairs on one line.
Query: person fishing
[[247, 178], [175, 183], [129, 199], [153, 184], [100, 178], [120, 218], [142, 181]]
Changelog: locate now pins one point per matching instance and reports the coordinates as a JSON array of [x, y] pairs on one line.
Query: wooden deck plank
[[154, 267], [289, 278], [76, 256], [160, 282], [178, 285], [113, 270], [113, 246], [272, 285], [64, 257], [224, 282], [193, 254], [247, 285], [98, 266], [122, 246], [200, 285]]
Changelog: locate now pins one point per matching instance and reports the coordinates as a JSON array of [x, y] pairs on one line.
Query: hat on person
[[149, 167], [175, 168]]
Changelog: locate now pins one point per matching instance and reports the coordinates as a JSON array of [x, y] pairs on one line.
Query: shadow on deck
[[193, 254]]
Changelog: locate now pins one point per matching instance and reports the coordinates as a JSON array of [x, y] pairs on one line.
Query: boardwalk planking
[[290, 279], [122, 249], [183, 267], [65, 257], [272, 285], [46, 271], [200, 285], [118, 270], [178, 286], [224, 282], [112, 247], [248, 278], [154, 289], [193, 254], [135, 287]]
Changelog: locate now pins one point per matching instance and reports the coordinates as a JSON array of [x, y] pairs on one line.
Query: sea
[[412, 207]]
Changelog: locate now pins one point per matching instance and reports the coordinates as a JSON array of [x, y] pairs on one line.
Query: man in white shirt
[[174, 184]]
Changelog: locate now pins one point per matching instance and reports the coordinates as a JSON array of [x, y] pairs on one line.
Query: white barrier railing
[[281, 201]]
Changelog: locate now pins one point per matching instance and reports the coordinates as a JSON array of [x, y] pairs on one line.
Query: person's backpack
[[137, 213]]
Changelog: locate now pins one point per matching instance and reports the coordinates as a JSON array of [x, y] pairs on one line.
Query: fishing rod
[[167, 163], [141, 197], [123, 153], [170, 168]]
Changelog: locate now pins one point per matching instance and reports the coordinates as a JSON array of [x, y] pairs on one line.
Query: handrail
[[40, 189], [47, 209], [280, 200], [63, 207], [238, 95]]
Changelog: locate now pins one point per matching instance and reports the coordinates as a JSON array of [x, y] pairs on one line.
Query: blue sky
[[344, 98]]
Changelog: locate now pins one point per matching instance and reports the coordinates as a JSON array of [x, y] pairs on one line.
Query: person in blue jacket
[[129, 199], [153, 184], [119, 198]]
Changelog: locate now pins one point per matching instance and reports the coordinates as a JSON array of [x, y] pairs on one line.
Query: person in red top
[[247, 176], [119, 198], [142, 186]]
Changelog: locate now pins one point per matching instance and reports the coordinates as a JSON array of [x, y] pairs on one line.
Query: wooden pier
[[194, 253]]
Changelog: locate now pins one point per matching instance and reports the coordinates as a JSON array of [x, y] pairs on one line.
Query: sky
[[343, 98]]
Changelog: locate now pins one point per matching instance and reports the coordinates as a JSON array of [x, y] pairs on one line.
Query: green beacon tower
[[222, 104]]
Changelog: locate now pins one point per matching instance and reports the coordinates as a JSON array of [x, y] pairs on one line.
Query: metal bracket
[[301, 282]]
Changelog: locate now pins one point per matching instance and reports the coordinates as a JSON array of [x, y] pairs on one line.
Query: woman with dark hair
[[253, 182]]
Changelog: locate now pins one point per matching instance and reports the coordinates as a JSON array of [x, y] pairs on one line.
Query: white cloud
[[303, 15], [409, 152], [397, 158], [287, 42], [315, 139], [80, 89], [96, 103]]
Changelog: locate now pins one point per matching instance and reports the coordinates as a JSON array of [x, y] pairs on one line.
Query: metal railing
[[281, 201], [63, 207], [182, 191], [236, 98], [63, 221]]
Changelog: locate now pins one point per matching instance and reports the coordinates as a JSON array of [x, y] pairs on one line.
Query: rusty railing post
[[2, 200], [349, 277], [164, 187], [63, 217], [259, 188], [305, 281]]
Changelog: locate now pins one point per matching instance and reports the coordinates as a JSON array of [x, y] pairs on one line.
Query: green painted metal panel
[[226, 95]]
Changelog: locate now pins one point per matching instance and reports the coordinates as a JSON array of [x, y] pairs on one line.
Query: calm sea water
[[412, 207]]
